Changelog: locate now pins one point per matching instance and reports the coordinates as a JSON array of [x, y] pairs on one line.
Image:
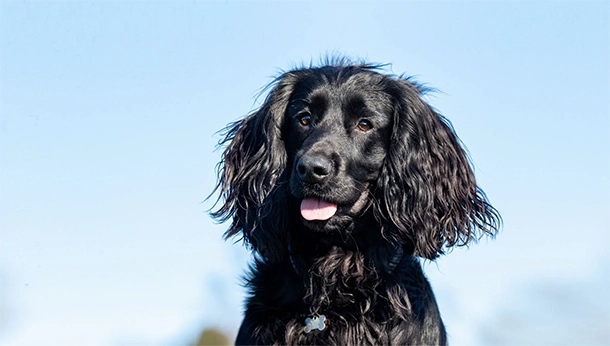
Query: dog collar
[[391, 264], [319, 321]]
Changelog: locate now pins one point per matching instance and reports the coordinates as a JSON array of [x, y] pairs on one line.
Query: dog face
[[341, 144], [336, 136]]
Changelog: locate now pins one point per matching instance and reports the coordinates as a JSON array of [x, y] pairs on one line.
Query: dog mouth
[[313, 208]]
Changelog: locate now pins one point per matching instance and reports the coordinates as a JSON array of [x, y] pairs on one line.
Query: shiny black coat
[[404, 189]]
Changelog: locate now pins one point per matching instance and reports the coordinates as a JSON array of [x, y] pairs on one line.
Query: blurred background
[[109, 113]]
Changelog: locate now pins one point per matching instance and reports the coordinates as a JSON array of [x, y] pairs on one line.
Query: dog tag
[[314, 323]]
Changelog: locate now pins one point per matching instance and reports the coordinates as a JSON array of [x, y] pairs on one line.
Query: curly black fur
[[404, 188]]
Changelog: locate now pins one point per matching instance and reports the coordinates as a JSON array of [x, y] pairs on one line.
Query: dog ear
[[430, 195], [252, 171]]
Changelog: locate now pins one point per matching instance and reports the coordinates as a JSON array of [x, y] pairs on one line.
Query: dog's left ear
[[429, 193]]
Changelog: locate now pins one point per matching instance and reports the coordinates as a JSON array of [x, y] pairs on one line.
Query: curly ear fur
[[429, 192], [252, 171]]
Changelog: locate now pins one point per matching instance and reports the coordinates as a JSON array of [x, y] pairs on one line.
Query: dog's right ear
[[251, 172]]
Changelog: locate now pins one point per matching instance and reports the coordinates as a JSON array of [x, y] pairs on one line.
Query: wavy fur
[[403, 183]]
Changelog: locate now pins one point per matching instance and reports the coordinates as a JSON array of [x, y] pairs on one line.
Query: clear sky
[[108, 115]]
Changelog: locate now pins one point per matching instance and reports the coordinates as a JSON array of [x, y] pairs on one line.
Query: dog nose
[[313, 169]]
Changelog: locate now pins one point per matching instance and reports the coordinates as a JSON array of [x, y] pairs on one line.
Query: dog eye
[[364, 125], [305, 119]]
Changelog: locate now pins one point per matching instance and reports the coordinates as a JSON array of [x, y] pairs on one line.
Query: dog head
[[336, 144]]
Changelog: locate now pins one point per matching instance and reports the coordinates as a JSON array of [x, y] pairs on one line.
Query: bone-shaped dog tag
[[316, 322]]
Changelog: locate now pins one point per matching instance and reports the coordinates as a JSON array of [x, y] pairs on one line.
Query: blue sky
[[108, 121]]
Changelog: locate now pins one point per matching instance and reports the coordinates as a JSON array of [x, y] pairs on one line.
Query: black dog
[[339, 182]]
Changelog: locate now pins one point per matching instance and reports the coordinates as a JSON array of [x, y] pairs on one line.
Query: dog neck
[[341, 272], [304, 250]]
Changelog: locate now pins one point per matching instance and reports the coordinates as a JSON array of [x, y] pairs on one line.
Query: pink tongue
[[317, 209]]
